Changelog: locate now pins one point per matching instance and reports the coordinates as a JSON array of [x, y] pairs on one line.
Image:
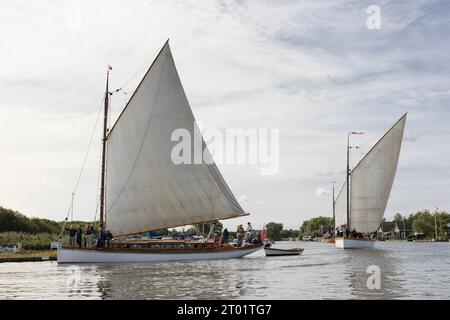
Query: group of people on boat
[[328, 235], [221, 237], [250, 235], [344, 231], [85, 237]]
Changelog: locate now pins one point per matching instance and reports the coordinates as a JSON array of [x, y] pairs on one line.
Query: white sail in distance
[[371, 183], [145, 190]]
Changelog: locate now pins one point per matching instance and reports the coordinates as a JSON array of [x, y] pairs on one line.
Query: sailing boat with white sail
[[142, 189], [361, 203]]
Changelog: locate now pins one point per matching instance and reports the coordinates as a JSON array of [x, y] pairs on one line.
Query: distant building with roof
[[403, 230], [395, 230], [386, 229]]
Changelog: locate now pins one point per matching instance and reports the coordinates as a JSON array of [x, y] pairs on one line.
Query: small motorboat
[[270, 252], [12, 248]]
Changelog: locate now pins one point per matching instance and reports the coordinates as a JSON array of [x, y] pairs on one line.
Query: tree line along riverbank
[[31, 233], [36, 234]]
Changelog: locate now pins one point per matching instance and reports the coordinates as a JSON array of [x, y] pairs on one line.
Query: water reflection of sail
[[179, 280]]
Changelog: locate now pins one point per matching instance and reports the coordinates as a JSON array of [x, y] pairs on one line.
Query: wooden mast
[[103, 165], [334, 210], [348, 181]]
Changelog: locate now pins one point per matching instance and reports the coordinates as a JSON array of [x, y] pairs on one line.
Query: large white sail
[[371, 182], [145, 189]]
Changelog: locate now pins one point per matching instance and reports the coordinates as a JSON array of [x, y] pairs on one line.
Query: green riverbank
[[28, 256]]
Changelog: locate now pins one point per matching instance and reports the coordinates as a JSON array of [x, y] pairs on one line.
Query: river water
[[406, 271]]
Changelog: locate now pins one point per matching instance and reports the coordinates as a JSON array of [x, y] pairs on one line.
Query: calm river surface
[[408, 271]]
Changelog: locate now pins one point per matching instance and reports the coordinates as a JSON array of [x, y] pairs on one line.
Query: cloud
[[409, 136], [322, 192], [309, 68], [243, 198], [325, 174]]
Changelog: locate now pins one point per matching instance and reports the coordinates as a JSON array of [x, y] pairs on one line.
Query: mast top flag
[[370, 183], [145, 189]]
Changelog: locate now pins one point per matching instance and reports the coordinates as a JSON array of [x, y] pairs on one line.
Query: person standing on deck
[[218, 228], [258, 238], [347, 231], [216, 240], [101, 239], [108, 238], [79, 233], [225, 235], [240, 235], [89, 235], [249, 231], [72, 234]]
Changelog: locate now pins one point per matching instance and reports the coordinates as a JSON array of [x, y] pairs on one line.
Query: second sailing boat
[[363, 198]]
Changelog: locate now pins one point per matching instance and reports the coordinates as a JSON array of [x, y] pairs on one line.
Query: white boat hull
[[65, 255], [348, 243]]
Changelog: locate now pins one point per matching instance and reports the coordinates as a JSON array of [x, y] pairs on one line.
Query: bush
[[14, 221], [273, 230], [315, 227]]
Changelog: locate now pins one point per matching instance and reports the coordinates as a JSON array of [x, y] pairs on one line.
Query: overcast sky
[[311, 69]]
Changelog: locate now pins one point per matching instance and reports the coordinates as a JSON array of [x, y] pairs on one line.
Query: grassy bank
[[27, 255], [38, 241]]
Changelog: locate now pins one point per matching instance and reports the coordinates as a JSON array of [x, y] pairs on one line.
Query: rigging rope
[[82, 168], [144, 66], [92, 137], [370, 142]]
